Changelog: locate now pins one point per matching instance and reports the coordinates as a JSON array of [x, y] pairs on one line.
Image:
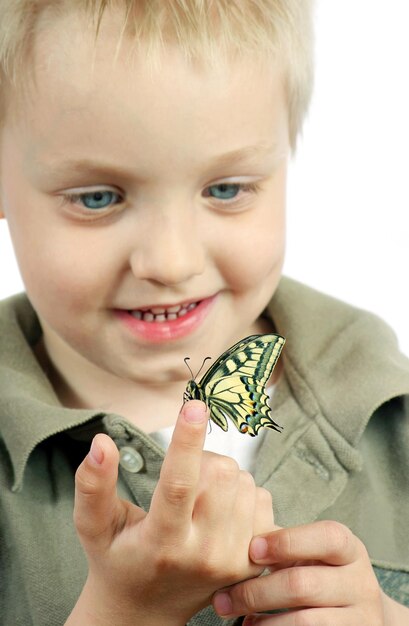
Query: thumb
[[98, 511]]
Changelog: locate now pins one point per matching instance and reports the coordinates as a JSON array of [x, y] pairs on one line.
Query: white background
[[348, 219], [348, 201]]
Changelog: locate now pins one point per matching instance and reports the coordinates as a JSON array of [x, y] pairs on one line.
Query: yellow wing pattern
[[234, 386]]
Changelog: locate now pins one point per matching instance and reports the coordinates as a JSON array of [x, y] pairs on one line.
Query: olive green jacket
[[343, 454]]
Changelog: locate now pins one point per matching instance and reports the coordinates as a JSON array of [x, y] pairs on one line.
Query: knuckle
[[226, 469], [247, 480], [301, 585], [176, 491], [85, 483], [244, 597], [338, 537]]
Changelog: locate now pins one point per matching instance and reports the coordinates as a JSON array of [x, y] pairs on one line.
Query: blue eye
[[224, 191], [97, 199]]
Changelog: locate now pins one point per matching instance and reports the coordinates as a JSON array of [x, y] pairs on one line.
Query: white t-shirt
[[232, 443]]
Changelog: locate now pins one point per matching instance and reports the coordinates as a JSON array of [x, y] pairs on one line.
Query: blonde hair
[[203, 29]]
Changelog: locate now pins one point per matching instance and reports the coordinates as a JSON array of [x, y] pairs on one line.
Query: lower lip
[[157, 332]]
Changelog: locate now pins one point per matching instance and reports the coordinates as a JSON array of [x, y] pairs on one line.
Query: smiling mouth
[[164, 323], [163, 314]]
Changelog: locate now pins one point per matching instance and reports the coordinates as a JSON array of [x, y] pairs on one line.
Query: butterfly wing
[[234, 386]]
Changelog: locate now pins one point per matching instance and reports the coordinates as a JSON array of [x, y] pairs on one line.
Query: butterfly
[[234, 386]]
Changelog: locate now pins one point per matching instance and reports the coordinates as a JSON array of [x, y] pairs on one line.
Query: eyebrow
[[249, 153], [92, 166]]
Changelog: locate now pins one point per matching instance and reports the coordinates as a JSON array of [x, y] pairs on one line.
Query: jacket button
[[130, 459]]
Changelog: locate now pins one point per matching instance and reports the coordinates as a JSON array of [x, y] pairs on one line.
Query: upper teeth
[[161, 314]]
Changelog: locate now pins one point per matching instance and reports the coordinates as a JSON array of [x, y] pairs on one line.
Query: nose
[[171, 250]]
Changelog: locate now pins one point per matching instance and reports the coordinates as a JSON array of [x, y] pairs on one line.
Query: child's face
[[172, 216]]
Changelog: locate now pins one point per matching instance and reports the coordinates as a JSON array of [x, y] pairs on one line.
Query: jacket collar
[[30, 411]]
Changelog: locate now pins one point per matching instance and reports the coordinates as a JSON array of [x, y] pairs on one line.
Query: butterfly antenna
[[201, 367], [186, 359]]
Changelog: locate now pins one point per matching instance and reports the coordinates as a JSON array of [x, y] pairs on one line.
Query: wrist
[[97, 608]]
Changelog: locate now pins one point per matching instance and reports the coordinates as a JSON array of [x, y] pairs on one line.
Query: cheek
[[257, 241], [67, 286], [254, 255], [61, 268]]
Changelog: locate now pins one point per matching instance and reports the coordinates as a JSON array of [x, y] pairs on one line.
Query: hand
[[163, 566], [321, 572]]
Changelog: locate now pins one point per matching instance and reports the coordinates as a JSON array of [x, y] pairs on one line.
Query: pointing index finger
[[174, 497]]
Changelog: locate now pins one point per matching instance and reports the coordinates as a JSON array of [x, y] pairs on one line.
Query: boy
[[144, 189]]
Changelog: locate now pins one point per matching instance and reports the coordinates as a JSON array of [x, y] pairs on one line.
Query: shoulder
[[314, 320], [16, 309], [18, 316], [21, 379], [19, 330], [347, 357]]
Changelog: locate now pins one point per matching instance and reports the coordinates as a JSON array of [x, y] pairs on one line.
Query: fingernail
[[258, 548], [250, 620], [222, 604], [96, 453], [195, 413]]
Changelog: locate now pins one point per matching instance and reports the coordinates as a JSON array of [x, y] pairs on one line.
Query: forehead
[[67, 52], [88, 92]]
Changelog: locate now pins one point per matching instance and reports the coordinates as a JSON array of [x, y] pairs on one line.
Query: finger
[[224, 517], [327, 541], [97, 509], [315, 586], [174, 497], [318, 617], [217, 492]]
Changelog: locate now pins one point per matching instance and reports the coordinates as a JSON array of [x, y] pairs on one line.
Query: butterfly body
[[234, 386]]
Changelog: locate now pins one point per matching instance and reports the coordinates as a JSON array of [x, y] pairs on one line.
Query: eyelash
[[74, 198], [252, 188]]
